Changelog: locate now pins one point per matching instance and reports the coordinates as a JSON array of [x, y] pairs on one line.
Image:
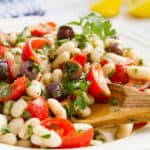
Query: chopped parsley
[[60, 42], [29, 129], [140, 62], [94, 24], [70, 69], [5, 92], [36, 66], [5, 130], [26, 115], [114, 101], [111, 73], [46, 48], [46, 136], [135, 70], [132, 120]]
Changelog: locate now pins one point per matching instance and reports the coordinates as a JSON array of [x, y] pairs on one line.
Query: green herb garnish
[[94, 24], [46, 136], [111, 73], [5, 130], [114, 101], [26, 115]]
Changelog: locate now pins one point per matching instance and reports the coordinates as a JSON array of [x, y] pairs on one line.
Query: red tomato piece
[[78, 139], [104, 62], [10, 63], [98, 87], [80, 58], [120, 75], [139, 125], [38, 108], [62, 126], [70, 137], [42, 29], [3, 49], [15, 90], [28, 50]]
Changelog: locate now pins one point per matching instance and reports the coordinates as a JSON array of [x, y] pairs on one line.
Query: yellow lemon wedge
[[107, 8], [139, 8]]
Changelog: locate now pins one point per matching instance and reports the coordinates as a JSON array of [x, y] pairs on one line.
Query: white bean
[[63, 57], [9, 55], [34, 90], [12, 37], [27, 130], [18, 108], [139, 72], [7, 107], [108, 69], [57, 75], [124, 130], [8, 138], [16, 69], [116, 58], [88, 49], [91, 99], [82, 126], [84, 112], [57, 108], [46, 78], [68, 46], [20, 44], [15, 125], [3, 122], [24, 143], [45, 138], [96, 55]]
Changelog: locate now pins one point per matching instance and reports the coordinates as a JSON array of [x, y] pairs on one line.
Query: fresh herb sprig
[[93, 24]]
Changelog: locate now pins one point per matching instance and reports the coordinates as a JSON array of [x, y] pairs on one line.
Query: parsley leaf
[[5, 130], [94, 24], [46, 136]]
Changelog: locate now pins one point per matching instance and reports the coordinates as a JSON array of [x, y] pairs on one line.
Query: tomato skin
[[104, 62], [70, 137], [78, 139], [98, 87], [62, 126], [38, 108], [17, 88], [3, 49], [139, 125], [42, 29], [10, 63], [28, 49], [120, 75], [80, 58]]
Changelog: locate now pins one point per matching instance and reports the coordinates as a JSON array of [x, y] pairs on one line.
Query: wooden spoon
[[130, 96], [105, 115], [133, 106]]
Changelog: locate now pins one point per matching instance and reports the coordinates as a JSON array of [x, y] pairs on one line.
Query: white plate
[[139, 42]]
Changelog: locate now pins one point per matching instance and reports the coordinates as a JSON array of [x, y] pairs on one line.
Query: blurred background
[[131, 14]]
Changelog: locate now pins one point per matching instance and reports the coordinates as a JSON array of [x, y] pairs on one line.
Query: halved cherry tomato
[[139, 125], [42, 29], [38, 108], [120, 75], [62, 126], [70, 137], [3, 49], [15, 90], [76, 139], [80, 58], [28, 50], [10, 63], [98, 87]]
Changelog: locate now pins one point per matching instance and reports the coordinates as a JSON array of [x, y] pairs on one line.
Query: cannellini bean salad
[[50, 74]]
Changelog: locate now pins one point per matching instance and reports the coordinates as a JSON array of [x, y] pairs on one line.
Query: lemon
[[107, 8], [139, 8]]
